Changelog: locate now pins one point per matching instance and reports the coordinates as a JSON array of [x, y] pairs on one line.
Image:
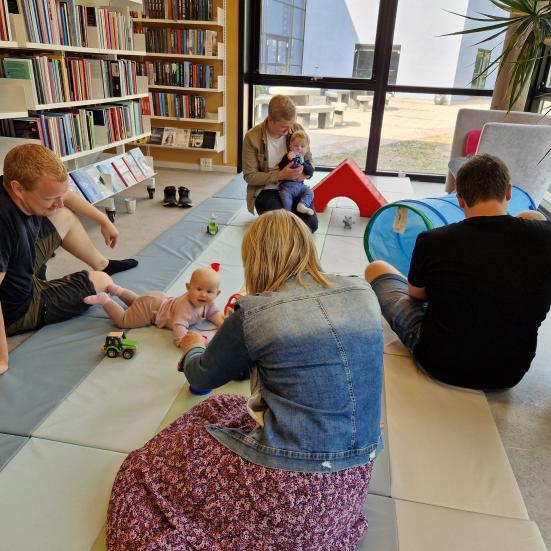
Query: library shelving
[[87, 114], [180, 49]]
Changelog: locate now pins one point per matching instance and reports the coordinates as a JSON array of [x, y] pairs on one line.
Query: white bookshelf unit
[[18, 96], [215, 96]]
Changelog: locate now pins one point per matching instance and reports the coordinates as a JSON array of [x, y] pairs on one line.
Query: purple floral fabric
[[185, 491]]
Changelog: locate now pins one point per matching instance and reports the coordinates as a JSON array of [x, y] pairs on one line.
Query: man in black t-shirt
[[33, 224], [477, 291]]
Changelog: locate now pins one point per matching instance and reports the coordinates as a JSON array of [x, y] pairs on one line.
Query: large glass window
[[429, 59], [418, 130], [337, 121], [387, 97], [321, 36]]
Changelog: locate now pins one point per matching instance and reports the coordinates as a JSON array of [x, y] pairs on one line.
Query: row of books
[[98, 181], [183, 137], [51, 22], [5, 31], [67, 23], [115, 29], [179, 41], [75, 131], [178, 9], [179, 105], [182, 73], [56, 78]]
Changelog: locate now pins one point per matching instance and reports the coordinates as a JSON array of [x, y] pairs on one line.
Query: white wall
[[426, 59]]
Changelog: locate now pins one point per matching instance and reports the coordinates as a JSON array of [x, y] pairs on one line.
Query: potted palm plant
[[526, 30]]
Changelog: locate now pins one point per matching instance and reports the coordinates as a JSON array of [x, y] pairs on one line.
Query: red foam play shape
[[347, 180]]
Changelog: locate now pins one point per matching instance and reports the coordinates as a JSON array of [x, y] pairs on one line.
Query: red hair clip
[[215, 266]]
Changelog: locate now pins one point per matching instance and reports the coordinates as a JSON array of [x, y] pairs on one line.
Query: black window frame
[[250, 76]]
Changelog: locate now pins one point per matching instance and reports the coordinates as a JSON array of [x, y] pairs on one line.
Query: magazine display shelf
[[107, 202], [217, 118]]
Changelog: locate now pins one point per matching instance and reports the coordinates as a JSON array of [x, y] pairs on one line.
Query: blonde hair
[[298, 135], [277, 245], [28, 163], [282, 108]]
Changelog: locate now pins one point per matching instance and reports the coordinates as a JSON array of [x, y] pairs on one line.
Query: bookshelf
[[178, 57], [87, 115]]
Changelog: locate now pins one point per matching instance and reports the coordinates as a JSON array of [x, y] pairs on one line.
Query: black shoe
[[170, 197], [184, 200]]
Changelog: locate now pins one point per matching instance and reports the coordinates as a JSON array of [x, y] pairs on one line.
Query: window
[[481, 64], [417, 131], [321, 36], [430, 59], [282, 38], [332, 57]]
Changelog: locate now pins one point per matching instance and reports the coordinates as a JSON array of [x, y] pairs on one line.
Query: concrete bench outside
[[364, 102], [340, 108], [325, 115]]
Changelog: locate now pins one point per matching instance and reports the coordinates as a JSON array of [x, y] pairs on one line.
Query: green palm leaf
[[529, 24]]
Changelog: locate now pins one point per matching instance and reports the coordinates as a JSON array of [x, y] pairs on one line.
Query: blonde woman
[[290, 468]]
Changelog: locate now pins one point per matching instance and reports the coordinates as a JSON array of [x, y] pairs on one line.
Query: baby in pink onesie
[[156, 308]]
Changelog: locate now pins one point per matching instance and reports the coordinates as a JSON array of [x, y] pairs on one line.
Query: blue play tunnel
[[393, 229]]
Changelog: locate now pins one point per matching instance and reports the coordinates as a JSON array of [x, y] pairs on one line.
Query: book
[[133, 167], [124, 172], [107, 169], [169, 135], [75, 189], [139, 157], [88, 179], [204, 139], [29, 128], [182, 137], [21, 69], [156, 135]]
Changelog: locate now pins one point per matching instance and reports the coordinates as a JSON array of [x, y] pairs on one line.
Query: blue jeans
[[403, 313], [289, 190], [268, 199]]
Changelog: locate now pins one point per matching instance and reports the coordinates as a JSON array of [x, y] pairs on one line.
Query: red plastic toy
[[228, 309], [347, 180]]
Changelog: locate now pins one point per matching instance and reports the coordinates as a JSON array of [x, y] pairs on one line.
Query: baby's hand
[[291, 156]]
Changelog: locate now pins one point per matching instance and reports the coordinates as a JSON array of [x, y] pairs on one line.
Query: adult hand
[[110, 233], [192, 340], [3, 366], [288, 173]]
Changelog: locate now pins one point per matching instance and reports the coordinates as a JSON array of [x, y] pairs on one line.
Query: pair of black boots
[[183, 200]]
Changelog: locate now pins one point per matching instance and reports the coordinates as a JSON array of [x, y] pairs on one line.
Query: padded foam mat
[[9, 446], [121, 403], [445, 447], [45, 369], [54, 496]]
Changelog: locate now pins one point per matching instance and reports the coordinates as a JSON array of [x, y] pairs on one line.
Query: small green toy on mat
[[212, 225], [116, 343]]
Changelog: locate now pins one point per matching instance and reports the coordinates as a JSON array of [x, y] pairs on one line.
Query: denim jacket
[[316, 354]]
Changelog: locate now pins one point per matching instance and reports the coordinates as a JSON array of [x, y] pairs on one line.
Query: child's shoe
[[301, 207]]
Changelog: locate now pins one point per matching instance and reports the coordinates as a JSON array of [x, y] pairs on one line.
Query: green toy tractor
[[117, 344]]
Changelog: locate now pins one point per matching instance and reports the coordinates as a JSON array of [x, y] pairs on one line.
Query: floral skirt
[[185, 491]]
